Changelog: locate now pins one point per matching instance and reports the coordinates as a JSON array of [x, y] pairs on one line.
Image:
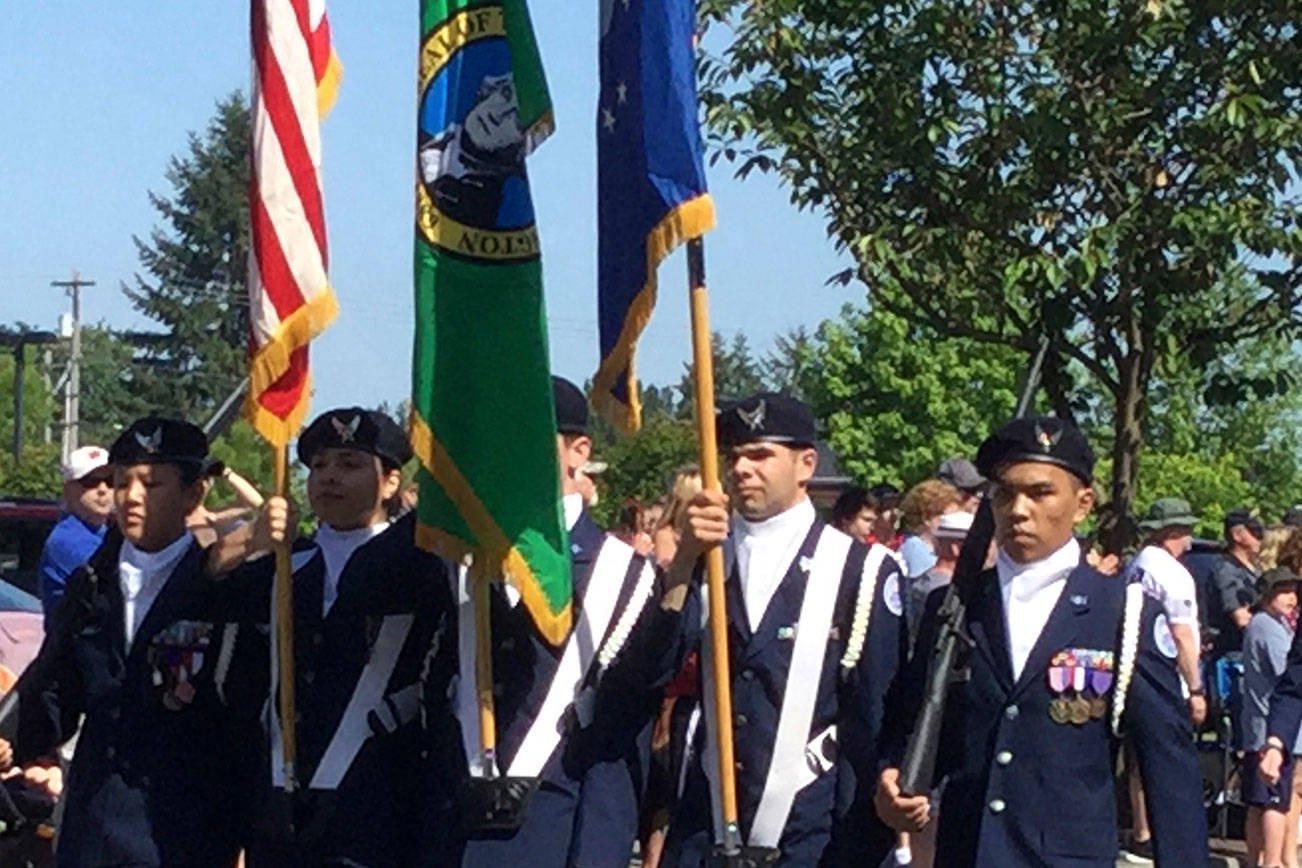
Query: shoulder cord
[[1129, 651], [872, 566], [628, 618]]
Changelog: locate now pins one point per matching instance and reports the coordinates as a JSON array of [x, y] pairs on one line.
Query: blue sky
[[94, 98]]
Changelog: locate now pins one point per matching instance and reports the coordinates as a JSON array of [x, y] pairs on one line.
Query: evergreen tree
[[193, 282]]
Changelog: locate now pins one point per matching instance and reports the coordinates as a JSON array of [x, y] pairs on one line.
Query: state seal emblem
[[472, 193]]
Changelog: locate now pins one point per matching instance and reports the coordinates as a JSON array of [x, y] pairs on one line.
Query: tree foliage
[[1117, 177], [193, 283], [895, 398]]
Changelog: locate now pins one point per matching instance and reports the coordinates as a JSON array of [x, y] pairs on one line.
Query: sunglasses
[[95, 482]]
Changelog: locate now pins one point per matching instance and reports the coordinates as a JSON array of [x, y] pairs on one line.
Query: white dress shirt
[[765, 550], [337, 546], [142, 575], [1030, 592], [573, 506]]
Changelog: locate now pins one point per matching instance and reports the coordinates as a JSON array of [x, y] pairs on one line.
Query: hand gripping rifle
[[918, 769]]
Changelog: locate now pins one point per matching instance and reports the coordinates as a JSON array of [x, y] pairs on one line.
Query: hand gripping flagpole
[[703, 381], [284, 626]]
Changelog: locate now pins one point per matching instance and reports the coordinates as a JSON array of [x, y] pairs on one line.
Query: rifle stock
[[918, 769]]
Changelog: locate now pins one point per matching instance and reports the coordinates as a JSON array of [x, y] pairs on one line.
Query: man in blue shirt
[[87, 502]]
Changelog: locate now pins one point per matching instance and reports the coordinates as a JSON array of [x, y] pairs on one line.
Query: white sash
[[598, 608], [788, 766], [354, 728], [599, 601]]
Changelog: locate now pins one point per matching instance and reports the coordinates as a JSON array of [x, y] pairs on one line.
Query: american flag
[[295, 75]]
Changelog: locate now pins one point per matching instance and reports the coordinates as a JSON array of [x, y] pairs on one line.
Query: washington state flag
[[482, 419]]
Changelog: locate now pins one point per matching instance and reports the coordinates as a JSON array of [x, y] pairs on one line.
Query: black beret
[[766, 416], [571, 407], [1037, 438], [354, 428], [159, 440]]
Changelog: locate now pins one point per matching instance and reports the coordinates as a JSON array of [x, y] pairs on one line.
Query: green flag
[[483, 424]]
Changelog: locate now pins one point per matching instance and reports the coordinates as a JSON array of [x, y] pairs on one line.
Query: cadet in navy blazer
[[1028, 758], [830, 821], [156, 779], [585, 810]]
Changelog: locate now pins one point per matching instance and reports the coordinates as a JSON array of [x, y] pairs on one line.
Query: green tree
[[641, 464], [895, 398], [737, 373], [193, 283], [1117, 177], [38, 402]]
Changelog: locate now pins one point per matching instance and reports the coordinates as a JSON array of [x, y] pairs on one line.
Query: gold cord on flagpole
[[703, 381], [284, 625]]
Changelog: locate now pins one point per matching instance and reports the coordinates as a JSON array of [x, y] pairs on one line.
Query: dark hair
[[884, 496], [628, 515], [848, 505]]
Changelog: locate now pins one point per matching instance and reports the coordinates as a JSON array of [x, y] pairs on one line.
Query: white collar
[[573, 506], [337, 547], [789, 521], [1024, 580], [162, 560]]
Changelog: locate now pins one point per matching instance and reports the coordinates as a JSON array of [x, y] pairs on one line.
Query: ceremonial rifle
[[67, 621], [918, 769]]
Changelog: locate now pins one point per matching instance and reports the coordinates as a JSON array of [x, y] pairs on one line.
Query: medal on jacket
[[177, 655], [1079, 679]]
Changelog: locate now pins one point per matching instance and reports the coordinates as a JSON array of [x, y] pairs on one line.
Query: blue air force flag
[[651, 193]]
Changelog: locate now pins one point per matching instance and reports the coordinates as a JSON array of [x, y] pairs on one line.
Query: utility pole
[[72, 395]]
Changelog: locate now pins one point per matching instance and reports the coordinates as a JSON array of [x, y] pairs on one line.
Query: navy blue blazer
[[586, 809], [375, 815], [1024, 790], [831, 821], [1286, 700], [155, 780]]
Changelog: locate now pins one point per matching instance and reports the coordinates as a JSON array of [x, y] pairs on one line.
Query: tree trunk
[[1116, 526], [1057, 385]]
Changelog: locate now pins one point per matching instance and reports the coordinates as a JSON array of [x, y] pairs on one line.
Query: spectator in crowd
[[1290, 556], [886, 505], [651, 515], [951, 529], [1266, 641], [1234, 578], [853, 513], [685, 485], [1271, 542], [921, 510], [87, 504], [1292, 516], [1168, 524], [962, 474]]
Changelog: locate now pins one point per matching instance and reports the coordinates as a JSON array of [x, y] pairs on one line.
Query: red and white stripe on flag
[[295, 75]]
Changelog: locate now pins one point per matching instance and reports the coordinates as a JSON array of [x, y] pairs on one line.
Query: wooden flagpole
[[703, 381], [484, 670], [284, 626]]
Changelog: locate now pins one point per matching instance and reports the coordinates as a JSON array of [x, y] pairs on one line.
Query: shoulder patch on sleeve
[[1162, 636], [891, 595]]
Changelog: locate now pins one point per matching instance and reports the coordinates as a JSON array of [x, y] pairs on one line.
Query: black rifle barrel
[[919, 764]]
